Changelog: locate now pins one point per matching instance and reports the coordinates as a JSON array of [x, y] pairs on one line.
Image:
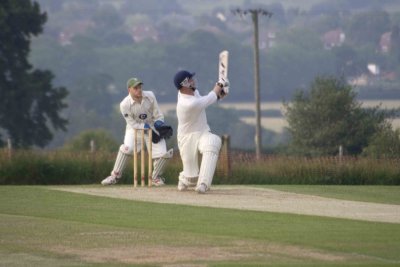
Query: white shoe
[[202, 188], [110, 180], [159, 181], [182, 186]]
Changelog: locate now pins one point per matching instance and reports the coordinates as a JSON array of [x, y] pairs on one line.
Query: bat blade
[[223, 65]]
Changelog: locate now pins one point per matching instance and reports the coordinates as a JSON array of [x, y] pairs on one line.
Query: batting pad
[[209, 146], [159, 164], [209, 143], [207, 168], [123, 154]]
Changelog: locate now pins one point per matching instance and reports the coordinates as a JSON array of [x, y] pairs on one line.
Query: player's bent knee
[[211, 143], [126, 149]]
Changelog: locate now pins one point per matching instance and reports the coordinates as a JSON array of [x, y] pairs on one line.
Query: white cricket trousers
[[158, 150], [191, 144]]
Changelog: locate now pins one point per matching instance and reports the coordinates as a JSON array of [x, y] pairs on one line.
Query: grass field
[[200, 7], [376, 194], [43, 227]]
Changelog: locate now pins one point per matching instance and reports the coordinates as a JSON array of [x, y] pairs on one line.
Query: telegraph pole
[[254, 15]]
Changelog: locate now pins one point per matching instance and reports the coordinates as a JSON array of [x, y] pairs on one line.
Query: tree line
[[90, 75]]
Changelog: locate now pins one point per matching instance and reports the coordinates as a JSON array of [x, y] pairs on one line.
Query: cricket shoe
[[110, 180], [182, 186], [186, 183], [159, 181], [202, 188]]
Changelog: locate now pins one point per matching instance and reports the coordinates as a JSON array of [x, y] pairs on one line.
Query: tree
[[154, 8], [103, 141], [367, 27], [330, 8], [384, 144], [395, 44], [29, 105], [109, 28], [347, 61], [329, 116], [93, 90], [290, 66]]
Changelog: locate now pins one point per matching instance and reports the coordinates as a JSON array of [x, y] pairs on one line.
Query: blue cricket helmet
[[180, 76]]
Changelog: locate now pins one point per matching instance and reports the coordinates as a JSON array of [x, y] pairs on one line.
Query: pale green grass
[[44, 227], [366, 193], [271, 123], [198, 7]]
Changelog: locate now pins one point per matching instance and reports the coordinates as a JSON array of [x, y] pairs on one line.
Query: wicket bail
[[142, 156]]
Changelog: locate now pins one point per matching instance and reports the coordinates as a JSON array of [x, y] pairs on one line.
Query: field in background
[[278, 123], [43, 227], [200, 7]]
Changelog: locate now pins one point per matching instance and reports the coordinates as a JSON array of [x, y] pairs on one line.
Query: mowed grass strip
[[47, 226], [366, 193]]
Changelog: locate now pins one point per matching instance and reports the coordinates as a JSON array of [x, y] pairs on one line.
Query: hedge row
[[45, 168]]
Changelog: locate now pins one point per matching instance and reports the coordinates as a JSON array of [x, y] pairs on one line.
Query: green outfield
[[376, 194], [40, 226]]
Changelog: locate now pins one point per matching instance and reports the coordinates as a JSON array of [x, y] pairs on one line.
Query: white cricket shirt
[[137, 114], [191, 113]]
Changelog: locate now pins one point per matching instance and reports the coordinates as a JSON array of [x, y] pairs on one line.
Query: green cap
[[132, 82]]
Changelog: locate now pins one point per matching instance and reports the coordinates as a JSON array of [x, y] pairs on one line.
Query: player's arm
[[209, 99], [205, 101]]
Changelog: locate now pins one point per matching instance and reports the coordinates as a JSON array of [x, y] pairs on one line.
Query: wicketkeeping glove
[[164, 131], [155, 138]]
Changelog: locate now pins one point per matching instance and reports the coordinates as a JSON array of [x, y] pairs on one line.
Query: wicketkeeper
[[140, 110], [194, 133]]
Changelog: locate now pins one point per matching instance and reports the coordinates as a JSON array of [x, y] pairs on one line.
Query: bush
[[303, 170], [103, 141], [60, 167], [384, 144]]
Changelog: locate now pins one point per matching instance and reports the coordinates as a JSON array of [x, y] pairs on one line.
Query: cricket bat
[[223, 68]]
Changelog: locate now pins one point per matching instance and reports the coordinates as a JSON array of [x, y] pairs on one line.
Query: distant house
[[333, 38], [385, 42], [373, 75]]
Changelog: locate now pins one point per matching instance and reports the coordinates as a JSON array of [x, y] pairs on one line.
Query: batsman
[[194, 133], [141, 111]]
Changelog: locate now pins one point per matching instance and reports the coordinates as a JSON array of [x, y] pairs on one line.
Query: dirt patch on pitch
[[186, 256], [251, 198]]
